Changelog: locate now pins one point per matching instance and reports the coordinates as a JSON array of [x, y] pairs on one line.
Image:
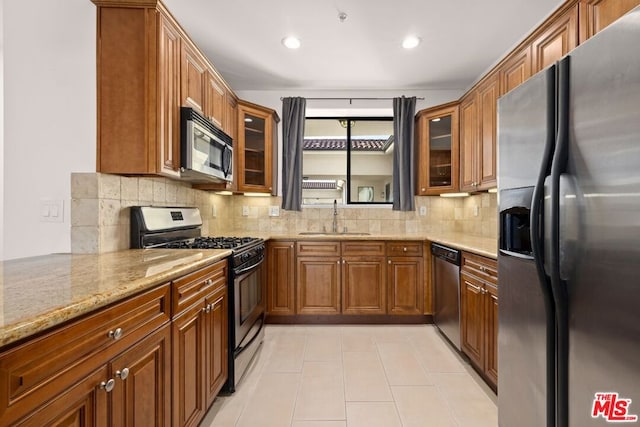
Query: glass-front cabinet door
[[254, 148], [437, 147]]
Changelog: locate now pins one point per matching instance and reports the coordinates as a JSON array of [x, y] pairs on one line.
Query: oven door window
[[250, 293]]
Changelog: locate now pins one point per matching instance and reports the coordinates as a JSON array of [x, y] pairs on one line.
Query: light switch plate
[[51, 211], [423, 210], [274, 210]]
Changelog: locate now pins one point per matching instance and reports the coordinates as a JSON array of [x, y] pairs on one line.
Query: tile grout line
[[295, 400], [393, 398]]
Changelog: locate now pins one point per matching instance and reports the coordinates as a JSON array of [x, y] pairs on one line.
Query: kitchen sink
[[329, 233]]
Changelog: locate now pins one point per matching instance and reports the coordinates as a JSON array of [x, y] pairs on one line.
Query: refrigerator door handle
[[558, 286], [537, 246], [569, 226]]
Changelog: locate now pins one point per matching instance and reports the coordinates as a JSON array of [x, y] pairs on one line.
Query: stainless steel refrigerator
[[569, 250]]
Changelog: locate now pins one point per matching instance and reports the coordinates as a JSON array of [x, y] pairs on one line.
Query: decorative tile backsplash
[[100, 212]]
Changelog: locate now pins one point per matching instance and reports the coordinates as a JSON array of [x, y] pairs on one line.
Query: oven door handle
[[251, 267], [242, 348]]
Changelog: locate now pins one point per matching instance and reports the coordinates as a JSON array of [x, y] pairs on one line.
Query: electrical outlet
[[274, 210], [423, 210], [476, 210], [214, 211], [245, 211]]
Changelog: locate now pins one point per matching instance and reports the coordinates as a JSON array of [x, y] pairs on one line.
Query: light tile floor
[[353, 376]]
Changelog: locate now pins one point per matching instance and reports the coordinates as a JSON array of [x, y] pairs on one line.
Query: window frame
[[348, 128]]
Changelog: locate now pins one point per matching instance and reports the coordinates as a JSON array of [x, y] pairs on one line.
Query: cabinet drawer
[[318, 248], [404, 249], [479, 266], [193, 287], [34, 372], [362, 248]]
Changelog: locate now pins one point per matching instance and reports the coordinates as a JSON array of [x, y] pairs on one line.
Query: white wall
[[1, 129], [271, 99], [50, 116]]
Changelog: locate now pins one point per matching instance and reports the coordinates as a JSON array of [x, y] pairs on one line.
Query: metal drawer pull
[[108, 386], [116, 335], [476, 288], [123, 374], [209, 282], [208, 308]]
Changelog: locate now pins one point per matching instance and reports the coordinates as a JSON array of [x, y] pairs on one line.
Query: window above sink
[[347, 159]]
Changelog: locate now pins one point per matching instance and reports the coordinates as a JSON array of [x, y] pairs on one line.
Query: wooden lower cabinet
[[85, 404], [405, 285], [363, 285], [479, 314], [318, 289], [129, 364], [472, 318], [216, 343], [281, 277], [200, 343], [142, 394], [350, 278], [188, 368], [491, 347]]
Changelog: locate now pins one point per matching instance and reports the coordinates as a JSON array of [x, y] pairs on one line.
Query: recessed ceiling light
[[291, 42], [410, 42]]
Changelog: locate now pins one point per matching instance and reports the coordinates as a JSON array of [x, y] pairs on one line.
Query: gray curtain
[[293, 115], [403, 165]]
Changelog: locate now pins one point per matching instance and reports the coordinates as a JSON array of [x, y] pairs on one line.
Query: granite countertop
[[40, 292], [479, 245], [37, 293]]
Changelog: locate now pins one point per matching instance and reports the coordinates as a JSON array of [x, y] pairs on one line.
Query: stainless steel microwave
[[206, 152]]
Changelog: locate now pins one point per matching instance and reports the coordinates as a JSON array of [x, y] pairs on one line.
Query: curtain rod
[[351, 99]]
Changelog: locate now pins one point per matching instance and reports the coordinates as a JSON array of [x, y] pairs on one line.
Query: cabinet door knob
[[209, 282], [108, 386], [116, 334], [404, 249], [423, 189], [208, 308], [338, 262], [389, 262], [123, 374], [343, 261]]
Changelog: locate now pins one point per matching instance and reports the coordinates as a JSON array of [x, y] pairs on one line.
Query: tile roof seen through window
[[326, 144]]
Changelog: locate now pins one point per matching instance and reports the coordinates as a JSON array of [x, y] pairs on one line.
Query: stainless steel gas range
[[176, 228]]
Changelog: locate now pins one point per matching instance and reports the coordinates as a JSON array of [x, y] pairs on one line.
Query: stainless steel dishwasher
[[446, 282]]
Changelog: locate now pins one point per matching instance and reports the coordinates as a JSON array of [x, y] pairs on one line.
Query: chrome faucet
[[335, 216]]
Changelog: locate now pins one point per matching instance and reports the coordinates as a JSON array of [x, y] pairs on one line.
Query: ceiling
[[461, 39]]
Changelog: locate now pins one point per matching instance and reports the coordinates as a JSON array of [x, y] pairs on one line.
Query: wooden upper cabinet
[[437, 148], [169, 97], [255, 148], [595, 15], [215, 107], [230, 125], [558, 39], [138, 91], [468, 141], [515, 70], [194, 78], [147, 68], [487, 120]]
